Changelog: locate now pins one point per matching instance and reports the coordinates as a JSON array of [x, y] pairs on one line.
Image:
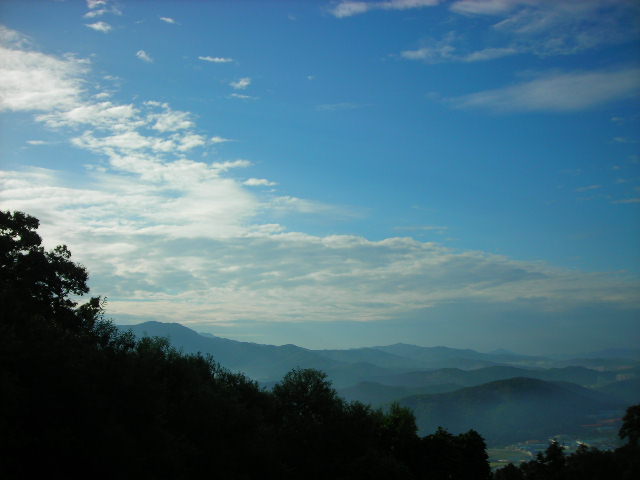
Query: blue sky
[[337, 174]]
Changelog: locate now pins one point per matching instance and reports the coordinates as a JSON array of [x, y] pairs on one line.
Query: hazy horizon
[[337, 174]]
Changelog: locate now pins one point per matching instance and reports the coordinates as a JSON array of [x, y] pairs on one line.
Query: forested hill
[[512, 410]]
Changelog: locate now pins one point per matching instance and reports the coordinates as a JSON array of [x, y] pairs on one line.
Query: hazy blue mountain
[[602, 363], [513, 410], [445, 357], [260, 362], [626, 390], [613, 353], [373, 356], [377, 394], [467, 378], [416, 369]]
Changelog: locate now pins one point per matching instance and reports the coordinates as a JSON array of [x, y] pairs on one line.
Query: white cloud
[[241, 84], [557, 92], [191, 141], [171, 120], [11, 38], [350, 8], [37, 142], [258, 182], [96, 3], [33, 81], [168, 20], [217, 139], [144, 56], [99, 115], [216, 59], [103, 27]]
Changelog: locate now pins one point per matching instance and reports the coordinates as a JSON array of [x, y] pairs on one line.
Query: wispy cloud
[[144, 56], [533, 27], [448, 49], [241, 84], [557, 92], [350, 8], [258, 182], [628, 200], [240, 96], [216, 59], [624, 139], [217, 139], [97, 8], [103, 27], [30, 80], [168, 20], [557, 28], [588, 188]]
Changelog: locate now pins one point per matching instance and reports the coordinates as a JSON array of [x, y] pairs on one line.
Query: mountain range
[[506, 396]]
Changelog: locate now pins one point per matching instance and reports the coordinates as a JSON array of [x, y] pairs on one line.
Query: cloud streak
[[557, 92], [216, 59], [351, 8]]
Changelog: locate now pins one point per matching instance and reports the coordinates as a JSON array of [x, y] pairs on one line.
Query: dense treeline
[[78, 397]]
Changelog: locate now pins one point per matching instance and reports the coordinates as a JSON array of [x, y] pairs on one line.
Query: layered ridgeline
[[394, 365], [513, 399]]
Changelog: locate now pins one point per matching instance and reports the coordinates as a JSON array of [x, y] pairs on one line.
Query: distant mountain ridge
[[394, 365], [505, 402]]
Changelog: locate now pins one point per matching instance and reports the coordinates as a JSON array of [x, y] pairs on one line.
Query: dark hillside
[[512, 410]]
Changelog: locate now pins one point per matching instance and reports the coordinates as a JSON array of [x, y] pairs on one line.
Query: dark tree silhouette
[[33, 281], [631, 426]]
